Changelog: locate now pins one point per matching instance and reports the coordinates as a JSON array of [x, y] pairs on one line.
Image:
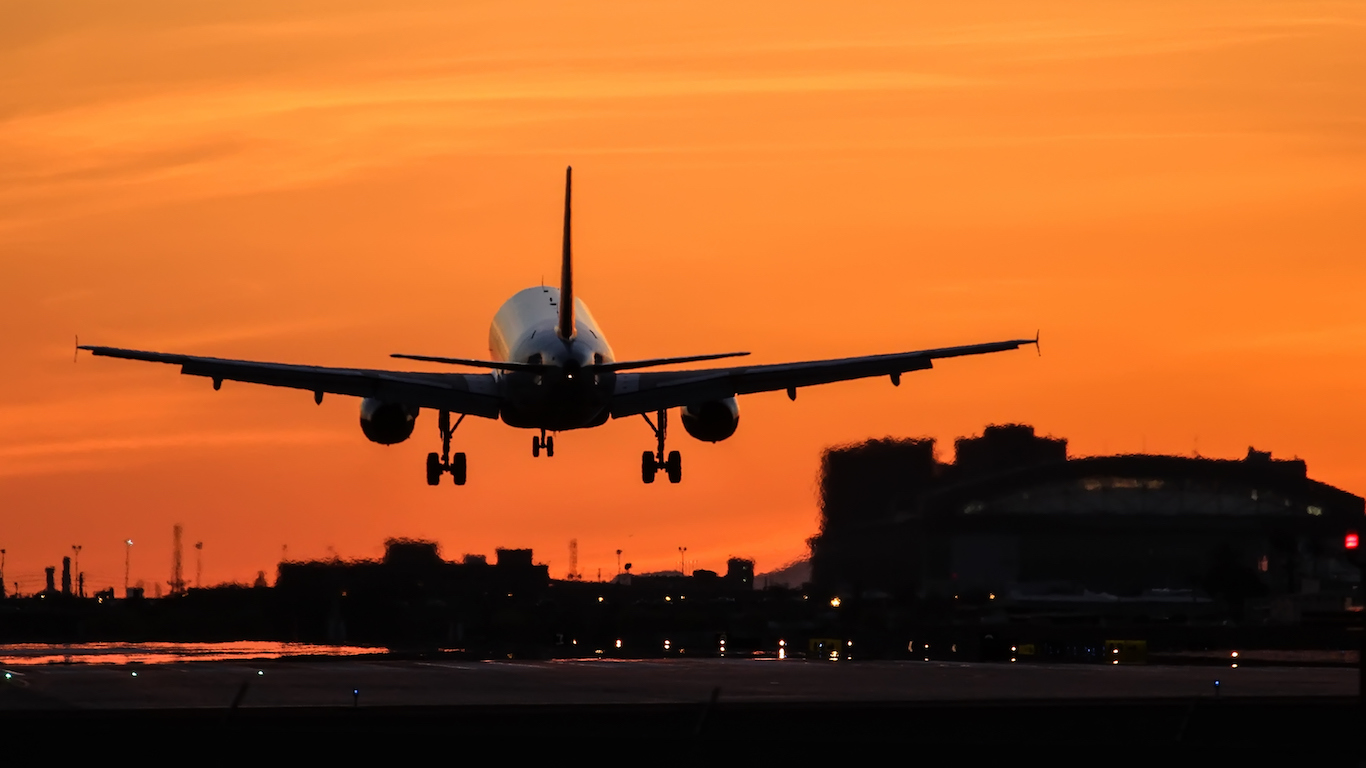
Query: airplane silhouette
[[553, 370]]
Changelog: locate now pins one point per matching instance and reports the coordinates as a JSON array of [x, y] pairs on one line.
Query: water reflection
[[27, 654]]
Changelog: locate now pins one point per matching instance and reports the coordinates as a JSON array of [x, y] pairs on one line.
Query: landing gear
[[438, 465], [651, 463], [544, 441]]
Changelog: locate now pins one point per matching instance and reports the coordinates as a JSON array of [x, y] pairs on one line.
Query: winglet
[[566, 328], [77, 350], [1037, 348]]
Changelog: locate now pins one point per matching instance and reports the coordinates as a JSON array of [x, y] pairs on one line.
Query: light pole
[[2, 573], [127, 561], [682, 564], [618, 562], [76, 565], [198, 563]]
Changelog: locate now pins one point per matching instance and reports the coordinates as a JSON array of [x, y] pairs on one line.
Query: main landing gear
[[439, 464], [650, 463], [544, 441]]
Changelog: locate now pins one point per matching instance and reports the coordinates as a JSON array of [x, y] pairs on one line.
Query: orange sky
[[1172, 192]]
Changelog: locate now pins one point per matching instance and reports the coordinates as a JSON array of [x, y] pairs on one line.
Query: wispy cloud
[[1338, 340], [105, 453], [277, 99]]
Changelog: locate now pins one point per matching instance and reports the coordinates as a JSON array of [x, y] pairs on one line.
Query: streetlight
[[618, 562], [198, 563], [682, 564], [127, 561]]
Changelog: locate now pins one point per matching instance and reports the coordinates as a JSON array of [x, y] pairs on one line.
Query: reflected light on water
[[28, 654]]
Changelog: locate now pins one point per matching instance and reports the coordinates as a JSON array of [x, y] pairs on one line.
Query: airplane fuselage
[[524, 330]]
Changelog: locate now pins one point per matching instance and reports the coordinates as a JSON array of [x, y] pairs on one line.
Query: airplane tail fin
[[566, 328]]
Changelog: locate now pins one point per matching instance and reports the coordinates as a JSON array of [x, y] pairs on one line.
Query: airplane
[[552, 370]]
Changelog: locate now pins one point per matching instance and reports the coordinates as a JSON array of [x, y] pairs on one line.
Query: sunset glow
[[1172, 192]]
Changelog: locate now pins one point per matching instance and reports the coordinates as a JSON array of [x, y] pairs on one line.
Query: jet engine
[[712, 422], [387, 423]]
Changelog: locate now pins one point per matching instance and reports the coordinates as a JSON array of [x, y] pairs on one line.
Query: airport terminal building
[[1015, 524]]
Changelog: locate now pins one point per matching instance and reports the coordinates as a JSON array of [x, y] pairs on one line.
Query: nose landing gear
[[544, 441], [651, 463], [438, 465]]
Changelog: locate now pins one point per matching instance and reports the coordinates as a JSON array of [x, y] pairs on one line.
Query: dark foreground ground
[[783, 705]]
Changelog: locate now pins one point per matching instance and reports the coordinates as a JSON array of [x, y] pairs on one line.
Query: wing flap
[[474, 394], [647, 392]]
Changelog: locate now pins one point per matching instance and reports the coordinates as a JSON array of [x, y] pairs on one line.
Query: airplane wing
[[473, 393], [648, 392]]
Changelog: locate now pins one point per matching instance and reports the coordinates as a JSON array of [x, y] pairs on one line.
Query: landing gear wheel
[[648, 467], [544, 442], [439, 464], [652, 462], [674, 466], [434, 469]]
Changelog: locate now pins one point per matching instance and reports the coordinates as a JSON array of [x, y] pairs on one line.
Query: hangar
[[1014, 522]]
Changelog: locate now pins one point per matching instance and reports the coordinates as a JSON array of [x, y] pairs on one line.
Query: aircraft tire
[[674, 466], [535, 447], [458, 467], [647, 467], [549, 446], [433, 469]]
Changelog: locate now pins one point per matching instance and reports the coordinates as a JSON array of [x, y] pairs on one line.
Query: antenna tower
[[573, 559]]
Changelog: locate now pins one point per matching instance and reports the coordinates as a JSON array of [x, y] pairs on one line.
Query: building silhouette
[[1015, 521]]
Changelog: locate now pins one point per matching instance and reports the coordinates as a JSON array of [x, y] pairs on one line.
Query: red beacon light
[[1352, 541]]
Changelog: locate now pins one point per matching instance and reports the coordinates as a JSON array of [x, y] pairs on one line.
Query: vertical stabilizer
[[566, 328]]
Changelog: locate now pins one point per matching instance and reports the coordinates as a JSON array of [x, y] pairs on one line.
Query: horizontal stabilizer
[[541, 368], [533, 367], [628, 365]]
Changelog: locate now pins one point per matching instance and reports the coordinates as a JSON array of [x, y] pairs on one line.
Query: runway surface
[[700, 708], [342, 682]]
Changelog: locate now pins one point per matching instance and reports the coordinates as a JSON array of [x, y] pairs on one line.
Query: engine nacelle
[[387, 423], [712, 422]]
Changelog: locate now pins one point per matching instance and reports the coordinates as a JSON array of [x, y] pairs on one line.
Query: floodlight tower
[[177, 581], [127, 561], [76, 566]]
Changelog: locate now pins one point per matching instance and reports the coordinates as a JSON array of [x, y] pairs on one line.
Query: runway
[[783, 704], [368, 683]]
